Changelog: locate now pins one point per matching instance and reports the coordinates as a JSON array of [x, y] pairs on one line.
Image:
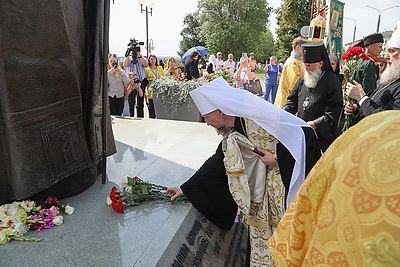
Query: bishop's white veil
[[285, 127]]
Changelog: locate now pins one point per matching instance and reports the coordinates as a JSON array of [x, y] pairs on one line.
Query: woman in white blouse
[[244, 73], [117, 80]]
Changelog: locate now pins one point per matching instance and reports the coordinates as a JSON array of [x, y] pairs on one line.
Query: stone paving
[[161, 151]]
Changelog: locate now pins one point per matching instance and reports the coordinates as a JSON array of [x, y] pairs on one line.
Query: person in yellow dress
[[347, 212], [292, 71], [153, 71]]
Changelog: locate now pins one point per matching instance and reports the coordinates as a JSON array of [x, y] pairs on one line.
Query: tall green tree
[[190, 33], [233, 26], [291, 16], [266, 47]]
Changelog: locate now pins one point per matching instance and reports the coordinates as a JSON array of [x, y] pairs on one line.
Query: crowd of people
[[259, 170], [145, 70], [133, 79]]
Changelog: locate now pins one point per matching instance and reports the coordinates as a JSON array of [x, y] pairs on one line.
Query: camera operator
[[137, 64], [117, 80]]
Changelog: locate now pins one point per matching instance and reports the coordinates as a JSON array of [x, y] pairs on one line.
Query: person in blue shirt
[[137, 65], [272, 74]]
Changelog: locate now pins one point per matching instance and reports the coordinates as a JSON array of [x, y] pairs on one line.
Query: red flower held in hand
[[364, 56], [352, 55], [345, 56], [352, 51]]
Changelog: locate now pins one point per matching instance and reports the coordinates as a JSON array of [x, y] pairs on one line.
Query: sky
[[166, 22]]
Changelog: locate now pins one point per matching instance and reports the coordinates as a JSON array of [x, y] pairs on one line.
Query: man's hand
[[349, 108], [312, 124], [268, 158], [174, 192], [355, 91]]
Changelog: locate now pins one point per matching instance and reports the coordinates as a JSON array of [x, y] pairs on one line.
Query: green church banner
[[335, 32]]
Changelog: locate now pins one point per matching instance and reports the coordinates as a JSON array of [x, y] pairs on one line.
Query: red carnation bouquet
[[135, 191], [355, 53], [352, 55]]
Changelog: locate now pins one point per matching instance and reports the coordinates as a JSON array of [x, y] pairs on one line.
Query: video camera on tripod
[[133, 48]]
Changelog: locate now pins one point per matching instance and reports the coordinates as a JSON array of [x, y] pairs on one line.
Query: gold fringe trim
[[236, 173]]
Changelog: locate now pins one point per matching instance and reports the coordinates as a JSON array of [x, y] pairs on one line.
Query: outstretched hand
[[174, 192]]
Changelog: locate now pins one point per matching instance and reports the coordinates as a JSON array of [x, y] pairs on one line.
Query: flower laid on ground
[[135, 191], [17, 218], [352, 55]]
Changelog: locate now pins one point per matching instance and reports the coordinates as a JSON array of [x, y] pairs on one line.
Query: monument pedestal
[[198, 242]]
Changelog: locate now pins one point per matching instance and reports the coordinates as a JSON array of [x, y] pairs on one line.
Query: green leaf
[[144, 189]]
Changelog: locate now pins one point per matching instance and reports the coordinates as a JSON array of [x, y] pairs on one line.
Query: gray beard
[[391, 72], [311, 79]]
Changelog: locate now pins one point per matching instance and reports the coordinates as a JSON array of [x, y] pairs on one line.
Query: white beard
[[311, 79], [391, 72]]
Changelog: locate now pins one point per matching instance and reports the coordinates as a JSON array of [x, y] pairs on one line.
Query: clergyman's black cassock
[[385, 97], [208, 188], [321, 104]]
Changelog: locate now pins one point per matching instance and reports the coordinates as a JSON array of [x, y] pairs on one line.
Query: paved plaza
[[164, 152]]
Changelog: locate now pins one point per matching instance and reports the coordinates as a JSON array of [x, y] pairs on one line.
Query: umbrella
[[200, 49]]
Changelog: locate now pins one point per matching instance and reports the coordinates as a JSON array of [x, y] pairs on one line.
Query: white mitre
[[395, 38], [285, 127]]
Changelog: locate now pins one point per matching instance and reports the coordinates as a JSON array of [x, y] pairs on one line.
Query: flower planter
[[186, 112], [172, 100]]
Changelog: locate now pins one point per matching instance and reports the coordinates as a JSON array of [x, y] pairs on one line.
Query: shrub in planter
[[172, 94]]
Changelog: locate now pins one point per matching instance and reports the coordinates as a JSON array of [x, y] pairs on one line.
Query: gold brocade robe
[[292, 71], [257, 189], [347, 212]]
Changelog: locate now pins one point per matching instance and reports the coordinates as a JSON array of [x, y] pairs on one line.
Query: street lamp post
[[355, 28], [151, 6], [380, 12], [151, 45]]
